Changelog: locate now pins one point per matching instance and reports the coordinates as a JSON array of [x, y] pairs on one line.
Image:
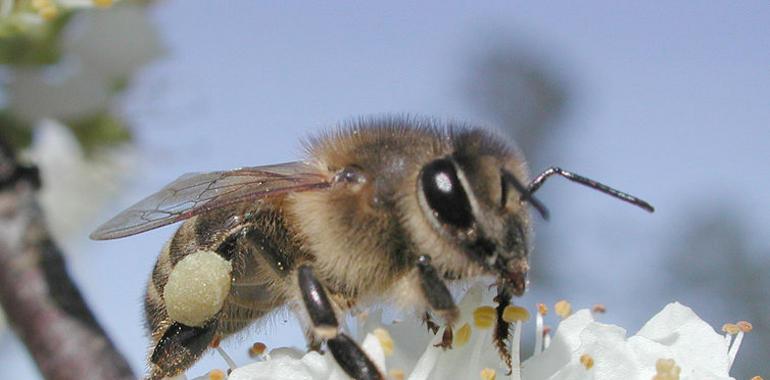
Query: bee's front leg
[[438, 297], [346, 352]]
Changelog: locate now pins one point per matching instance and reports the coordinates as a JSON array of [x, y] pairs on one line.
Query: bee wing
[[197, 193]]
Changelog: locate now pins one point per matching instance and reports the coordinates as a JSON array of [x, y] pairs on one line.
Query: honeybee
[[389, 209]]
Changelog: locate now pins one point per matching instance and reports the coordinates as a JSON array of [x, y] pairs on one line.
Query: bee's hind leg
[[180, 347], [346, 352]]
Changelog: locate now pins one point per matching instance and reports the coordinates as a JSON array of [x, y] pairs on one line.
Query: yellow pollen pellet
[[488, 374], [587, 361], [102, 3], [385, 340], [563, 309], [730, 328], [757, 378], [745, 326], [484, 317], [515, 314], [396, 374], [257, 349], [462, 336], [217, 374], [542, 309]]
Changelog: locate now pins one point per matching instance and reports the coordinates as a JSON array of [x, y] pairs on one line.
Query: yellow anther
[[730, 328], [542, 309], [515, 314], [257, 349], [587, 361], [48, 12], [563, 309], [666, 369], [745, 326], [599, 309], [488, 374], [664, 365], [484, 317], [217, 374], [396, 374], [385, 340], [462, 336], [102, 3]]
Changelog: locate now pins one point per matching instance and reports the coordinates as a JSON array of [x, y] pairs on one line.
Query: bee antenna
[[526, 194], [538, 181]]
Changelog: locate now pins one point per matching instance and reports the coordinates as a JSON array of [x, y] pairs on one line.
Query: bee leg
[[346, 352], [431, 325], [435, 291], [502, 333], [179, 347], [440, 300], [313, 343]]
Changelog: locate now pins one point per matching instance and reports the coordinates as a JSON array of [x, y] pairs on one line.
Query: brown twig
[[40, 300]]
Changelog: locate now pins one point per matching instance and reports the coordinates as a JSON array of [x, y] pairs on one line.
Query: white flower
[[674, 344], [675, 333]]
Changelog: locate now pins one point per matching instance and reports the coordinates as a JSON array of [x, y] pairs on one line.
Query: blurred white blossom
[[74, 187], [101, 50]]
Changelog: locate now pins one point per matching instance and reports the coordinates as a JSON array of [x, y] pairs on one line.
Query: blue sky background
[[669, 101]]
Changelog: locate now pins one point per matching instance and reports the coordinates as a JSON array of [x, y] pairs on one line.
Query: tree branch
[[41, 301]]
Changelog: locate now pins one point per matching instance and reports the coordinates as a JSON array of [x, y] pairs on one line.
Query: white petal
[[690, 341], [374, 350], [565, 342]]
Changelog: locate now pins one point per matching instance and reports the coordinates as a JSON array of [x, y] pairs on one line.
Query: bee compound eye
[[445, 194]]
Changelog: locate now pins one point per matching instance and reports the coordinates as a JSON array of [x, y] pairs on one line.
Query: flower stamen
[[257, 349], [484, 317], [385, 340], [542, 310], [742, 328], [488, 374], [216, 374], [587, 361], [666, 369], [463, 335], [563, 309], [230, 362], [515, 313]]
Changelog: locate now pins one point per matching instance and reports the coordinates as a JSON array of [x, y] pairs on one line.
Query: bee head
[[474, 199]]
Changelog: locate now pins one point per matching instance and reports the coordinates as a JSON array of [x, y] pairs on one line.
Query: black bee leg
[[346, 352], [179, 347], [502, 333], [435, 291], [440, 300], [430, 323]]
